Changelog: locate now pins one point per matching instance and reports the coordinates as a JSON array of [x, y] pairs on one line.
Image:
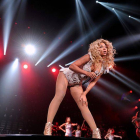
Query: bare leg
[[61, 87], [76, 92]]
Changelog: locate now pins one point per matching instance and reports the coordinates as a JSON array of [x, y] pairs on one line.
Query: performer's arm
[[135, 122], [136, 119], [82, 124], [74, 124], [91, 85], [80, 62], [106, 136], [73, 131], [118, 136], [60, 127]]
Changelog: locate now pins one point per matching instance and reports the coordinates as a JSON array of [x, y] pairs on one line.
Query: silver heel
[[96, 133], [48, 129]]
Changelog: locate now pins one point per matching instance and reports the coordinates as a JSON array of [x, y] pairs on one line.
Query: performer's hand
[[83, 100], [91, 74], [134, 117]]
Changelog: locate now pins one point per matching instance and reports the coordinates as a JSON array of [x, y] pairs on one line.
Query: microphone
[[88, 79]]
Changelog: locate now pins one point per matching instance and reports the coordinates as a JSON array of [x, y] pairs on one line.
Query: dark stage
[[17, 136]]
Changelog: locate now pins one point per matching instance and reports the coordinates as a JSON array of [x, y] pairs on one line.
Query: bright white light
[[25, 66], [30, 49], [53, 70], [129, 16], [97, 1], [15, 64], [113, 9]]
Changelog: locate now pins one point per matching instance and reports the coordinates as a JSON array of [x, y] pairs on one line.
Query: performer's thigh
[[61, 84]]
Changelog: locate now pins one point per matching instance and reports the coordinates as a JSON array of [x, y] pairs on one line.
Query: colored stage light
[[53, 70], [30, 49], [25, 66], [136, 107], [139, 100], [130, 91]]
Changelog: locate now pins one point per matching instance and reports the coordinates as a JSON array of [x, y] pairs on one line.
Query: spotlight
[[136, 107], [15, 64], [129, 16], [130, 91], [25, 66], [139, 100], [61, 66], [113, 9], [53, 70], [30, 49], [97, 1]]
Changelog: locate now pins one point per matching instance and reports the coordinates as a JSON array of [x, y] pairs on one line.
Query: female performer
[[110, 135], [92, 65], [78, 130], [68, 127], [136, 122]]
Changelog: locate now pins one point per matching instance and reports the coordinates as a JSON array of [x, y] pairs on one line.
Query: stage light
[[56, 42], [136, 19], [102, 94], [128, 58], [124, 81], [136, 107], [130, 91], [139, 100], [25, 66], [134, 85], [15, 64], [84, 19], [30, 49], [10, 8], [97, 1], [113, 9], [53, 70], [61, 66]]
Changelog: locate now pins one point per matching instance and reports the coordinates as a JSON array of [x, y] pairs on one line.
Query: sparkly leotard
[[77, 78]]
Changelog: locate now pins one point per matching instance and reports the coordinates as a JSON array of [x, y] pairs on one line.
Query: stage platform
[[17, 136]]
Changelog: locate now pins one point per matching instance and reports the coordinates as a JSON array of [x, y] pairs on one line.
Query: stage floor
[[43, 137]]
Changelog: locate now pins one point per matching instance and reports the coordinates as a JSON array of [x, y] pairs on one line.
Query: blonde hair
[[108, 60]]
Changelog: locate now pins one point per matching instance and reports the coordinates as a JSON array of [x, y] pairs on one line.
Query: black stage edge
[[14, 136]]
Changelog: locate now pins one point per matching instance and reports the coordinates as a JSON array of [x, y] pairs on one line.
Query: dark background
[[25, 110]]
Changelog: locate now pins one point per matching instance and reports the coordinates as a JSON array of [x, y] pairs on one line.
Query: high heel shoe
[[48, 129], [96, 133]]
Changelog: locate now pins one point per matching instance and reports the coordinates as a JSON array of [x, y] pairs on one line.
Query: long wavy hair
[[108, 60]]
